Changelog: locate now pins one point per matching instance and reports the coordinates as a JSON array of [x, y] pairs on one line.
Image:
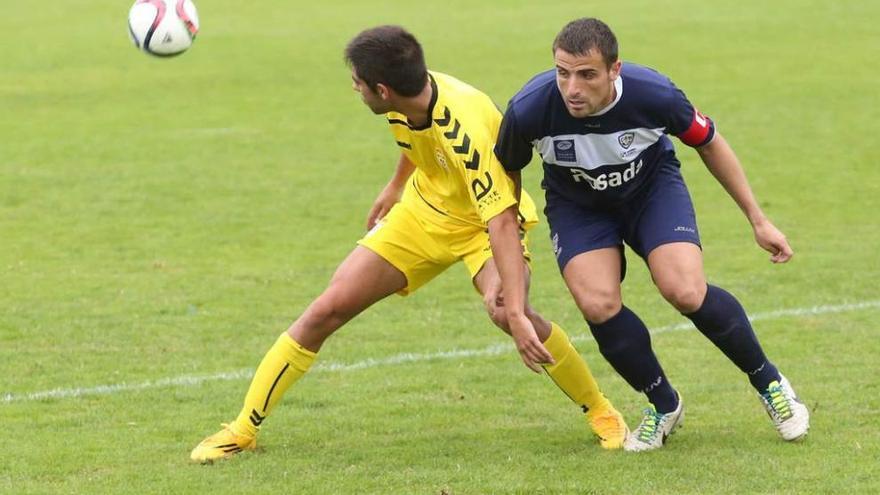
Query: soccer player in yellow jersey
[[449, 200]]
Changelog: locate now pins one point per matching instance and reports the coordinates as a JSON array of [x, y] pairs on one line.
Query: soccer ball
[[163, 28]]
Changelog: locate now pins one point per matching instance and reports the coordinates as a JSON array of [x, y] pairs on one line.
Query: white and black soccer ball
[[163, 28]]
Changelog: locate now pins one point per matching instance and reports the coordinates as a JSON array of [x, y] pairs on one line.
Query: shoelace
[[778, 402], [650, 425]]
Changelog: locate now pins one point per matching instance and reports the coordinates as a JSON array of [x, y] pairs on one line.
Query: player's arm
[[392, 191], [698, 131], [513, 148], [723, 163], [508, 256], [516, 177], [492, 192]]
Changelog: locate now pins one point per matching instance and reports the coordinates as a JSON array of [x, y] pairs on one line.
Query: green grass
[[169, 218]]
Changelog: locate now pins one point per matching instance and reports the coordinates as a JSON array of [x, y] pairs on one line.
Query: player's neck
[[416, 107], [612, 96]]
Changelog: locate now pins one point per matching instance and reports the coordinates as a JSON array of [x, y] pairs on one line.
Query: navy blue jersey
[[607, 158]]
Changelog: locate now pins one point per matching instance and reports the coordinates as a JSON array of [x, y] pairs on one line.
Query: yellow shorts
[[423, 244]]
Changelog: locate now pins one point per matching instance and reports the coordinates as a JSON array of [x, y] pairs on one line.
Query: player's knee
[[686, 298], [499, 318], [599, 308], [327, 313]]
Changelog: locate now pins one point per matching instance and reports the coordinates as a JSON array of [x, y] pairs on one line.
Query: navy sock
[[625, 343], [723, 320]]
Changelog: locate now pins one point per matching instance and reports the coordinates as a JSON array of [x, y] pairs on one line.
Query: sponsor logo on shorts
[[682, 228]]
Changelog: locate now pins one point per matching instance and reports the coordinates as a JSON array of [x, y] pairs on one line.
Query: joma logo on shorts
[[611, 179], [556, 249]]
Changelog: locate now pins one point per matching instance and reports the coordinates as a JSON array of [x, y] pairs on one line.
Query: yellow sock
[[571, 373], [284, 364]]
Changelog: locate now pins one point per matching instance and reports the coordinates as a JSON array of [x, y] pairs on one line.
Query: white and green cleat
[[654, 429], [790, 416]]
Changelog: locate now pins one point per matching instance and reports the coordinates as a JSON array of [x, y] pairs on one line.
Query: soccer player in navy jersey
[[611, 177]]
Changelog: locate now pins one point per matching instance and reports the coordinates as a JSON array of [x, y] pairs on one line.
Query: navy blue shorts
[[661, 214]]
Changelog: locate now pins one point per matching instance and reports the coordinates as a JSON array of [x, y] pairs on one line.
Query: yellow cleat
[[609, 426], [225, 443]]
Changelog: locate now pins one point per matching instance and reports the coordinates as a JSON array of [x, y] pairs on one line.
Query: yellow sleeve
[[490, 189]]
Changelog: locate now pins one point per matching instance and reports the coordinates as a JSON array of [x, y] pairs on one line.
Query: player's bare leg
[[569, 371], [593, 278], [295, 350], [346, 296], [677, 271]]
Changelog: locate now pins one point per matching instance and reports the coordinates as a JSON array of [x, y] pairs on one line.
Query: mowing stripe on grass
[[492, 350]]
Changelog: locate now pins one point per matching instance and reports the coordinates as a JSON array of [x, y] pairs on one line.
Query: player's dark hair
[[389, 55], [582, 35]]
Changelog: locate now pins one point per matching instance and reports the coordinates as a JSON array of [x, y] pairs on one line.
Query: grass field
[[162, 221]]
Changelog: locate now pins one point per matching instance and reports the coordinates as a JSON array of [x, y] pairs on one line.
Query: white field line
[[492, 350]]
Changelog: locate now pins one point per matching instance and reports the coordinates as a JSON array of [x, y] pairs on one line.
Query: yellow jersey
[[457, 174]]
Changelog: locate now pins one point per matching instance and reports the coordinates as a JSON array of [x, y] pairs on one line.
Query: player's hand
[[531, 350], [382, 205], [773, 240], [493, 299]]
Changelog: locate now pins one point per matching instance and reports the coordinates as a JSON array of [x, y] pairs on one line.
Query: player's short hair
[[582, 35], [389, 55]]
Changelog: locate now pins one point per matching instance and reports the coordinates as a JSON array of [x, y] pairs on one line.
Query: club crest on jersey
[[565, 150], [441, 158], [626, 139]]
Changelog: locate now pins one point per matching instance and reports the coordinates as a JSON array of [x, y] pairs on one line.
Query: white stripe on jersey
[[591, 151]]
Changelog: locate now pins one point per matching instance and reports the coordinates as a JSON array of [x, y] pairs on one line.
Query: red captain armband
[[700, 131]]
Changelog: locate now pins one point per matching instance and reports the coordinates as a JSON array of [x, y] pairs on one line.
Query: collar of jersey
[[618, 88], [430, 121]]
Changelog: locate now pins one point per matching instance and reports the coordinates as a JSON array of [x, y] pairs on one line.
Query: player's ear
[[614, 71], [383, 91]]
